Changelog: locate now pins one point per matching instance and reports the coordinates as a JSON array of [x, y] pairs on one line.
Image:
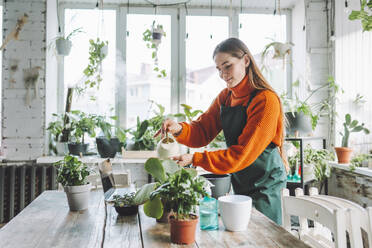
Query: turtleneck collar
[[243, 89]]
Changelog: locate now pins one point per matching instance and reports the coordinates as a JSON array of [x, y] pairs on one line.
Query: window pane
[[143, 83], [202, 80], [101, 23], [256, 37]]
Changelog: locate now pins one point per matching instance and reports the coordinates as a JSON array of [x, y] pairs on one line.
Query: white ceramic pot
[[308, 172], [167, 147], [62, 148], [78, 196], [235, 211], [63, 46]]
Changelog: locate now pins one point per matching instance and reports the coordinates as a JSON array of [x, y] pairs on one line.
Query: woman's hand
[[184, 159], [170, 126]]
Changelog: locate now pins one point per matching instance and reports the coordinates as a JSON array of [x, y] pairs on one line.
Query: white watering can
[[167, 147]]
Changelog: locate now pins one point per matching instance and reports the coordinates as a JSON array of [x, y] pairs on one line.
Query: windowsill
[[359, 170], [93, 159]]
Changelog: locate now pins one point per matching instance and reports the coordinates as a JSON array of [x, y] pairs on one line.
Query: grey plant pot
[[63, 46], [78, 196], [222, 184]]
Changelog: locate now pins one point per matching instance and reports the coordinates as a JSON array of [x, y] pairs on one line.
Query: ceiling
[[254, 4]]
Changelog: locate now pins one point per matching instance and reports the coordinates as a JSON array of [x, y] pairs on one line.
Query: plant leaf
[[347, 119], [143, 194], [155, 168], [153, 208]]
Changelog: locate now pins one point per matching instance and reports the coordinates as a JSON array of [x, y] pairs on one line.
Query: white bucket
[[235, 211]]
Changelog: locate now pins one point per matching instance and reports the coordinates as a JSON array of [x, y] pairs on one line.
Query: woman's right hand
[[170, 126]]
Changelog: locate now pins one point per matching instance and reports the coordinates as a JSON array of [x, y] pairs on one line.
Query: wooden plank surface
[[261, 232], [47, 222], [122, 231]]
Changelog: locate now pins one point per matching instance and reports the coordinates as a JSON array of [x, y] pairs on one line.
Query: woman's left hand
[[184, 159]]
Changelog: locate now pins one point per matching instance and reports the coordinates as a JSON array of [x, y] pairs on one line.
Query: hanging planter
[[153, 39], [63, 44]]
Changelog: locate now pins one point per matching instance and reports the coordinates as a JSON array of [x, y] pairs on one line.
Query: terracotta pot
[[183, 231], [343, 154]]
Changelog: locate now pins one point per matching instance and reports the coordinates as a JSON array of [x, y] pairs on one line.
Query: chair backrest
[[357, 217], [332, 218]]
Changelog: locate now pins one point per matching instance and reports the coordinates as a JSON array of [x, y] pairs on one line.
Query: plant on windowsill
[[364, 15], [153, 37], [350, 126], [80, 123], [98, 51], [72, 174], [110, 143], [55, 129]]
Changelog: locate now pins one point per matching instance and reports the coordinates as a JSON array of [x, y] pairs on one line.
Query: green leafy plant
[[357, 160], [124, 200], [160, 170], [364, 15], [183, 191], [216, 141], [56, 127], [71, 171], [319, 159], [152, 37], [351, 126], [142, 139], [93, 71], [188, 114], [81, 123]]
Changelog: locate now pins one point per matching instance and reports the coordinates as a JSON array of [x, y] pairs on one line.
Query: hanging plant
[[153, 39], [97, 52], [365, 15], [281, 50]]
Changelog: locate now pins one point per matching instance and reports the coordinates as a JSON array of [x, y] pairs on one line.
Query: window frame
[[178, 46]]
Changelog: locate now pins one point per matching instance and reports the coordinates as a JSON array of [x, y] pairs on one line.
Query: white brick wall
[[23, 126]]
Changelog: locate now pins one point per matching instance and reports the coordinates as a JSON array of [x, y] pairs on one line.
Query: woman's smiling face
[[231, 69]]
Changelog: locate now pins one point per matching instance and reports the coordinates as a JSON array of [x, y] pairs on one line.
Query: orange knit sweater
[[264, 125]]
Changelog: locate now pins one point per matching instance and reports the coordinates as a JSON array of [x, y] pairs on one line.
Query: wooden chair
[[357, 219], [331, 217]]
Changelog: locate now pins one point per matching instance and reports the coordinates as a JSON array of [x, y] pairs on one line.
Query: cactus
[[351, 126]]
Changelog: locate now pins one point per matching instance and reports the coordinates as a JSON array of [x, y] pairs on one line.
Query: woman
[[250, 114]]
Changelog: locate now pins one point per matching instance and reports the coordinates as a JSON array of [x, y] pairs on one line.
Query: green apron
[[265, 177]]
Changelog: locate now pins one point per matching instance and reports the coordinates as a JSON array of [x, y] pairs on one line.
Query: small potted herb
[[125, 204], [72, 174], [64, 43], [350, 126]]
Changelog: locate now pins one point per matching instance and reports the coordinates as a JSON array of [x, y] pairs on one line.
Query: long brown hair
[[238, 49]]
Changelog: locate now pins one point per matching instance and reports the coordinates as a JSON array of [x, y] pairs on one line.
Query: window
[[258, 30], [202, 80], [94, 23], [143, 83]]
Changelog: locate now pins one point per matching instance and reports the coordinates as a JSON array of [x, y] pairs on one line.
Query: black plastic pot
[[156, 35], [77, 148], [298, 121], [127, 210], [107, 148], [222, 184]]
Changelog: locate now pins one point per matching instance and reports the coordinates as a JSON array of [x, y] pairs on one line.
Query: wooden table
[[47, 222]]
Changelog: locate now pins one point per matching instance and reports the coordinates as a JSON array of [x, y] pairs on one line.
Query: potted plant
[[55, 128], [80, 123], [153, 37], [109, 144], [160, 170], [183, 192], [317, 164], [63, 43], [125, 204], [350, 126], [72, 174], [364, 15]]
